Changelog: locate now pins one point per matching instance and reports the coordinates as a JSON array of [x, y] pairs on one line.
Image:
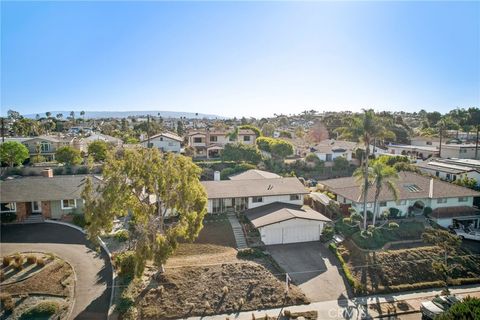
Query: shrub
[[79, 220], [2, 275], [357, 287], [58, 171], [327, 233], [82, 170], [7, 217], [18, 266], [41, 310], [393, 213], [122, 235], [18, 258], [6, 261], [126, 263], [393, 225], [427, 211], [7, 302], [40, 262], [31, 259], [250, 253]]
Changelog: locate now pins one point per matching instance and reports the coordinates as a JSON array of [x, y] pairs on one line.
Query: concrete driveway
[[93, 270], [313, 268]]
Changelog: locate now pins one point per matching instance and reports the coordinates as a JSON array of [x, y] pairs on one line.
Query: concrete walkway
[[237, 231], [350, 309]]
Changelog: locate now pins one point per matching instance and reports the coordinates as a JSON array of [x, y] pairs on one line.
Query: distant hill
[[124, 114]]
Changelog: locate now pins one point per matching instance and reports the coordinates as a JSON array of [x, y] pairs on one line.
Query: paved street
[[93, 270], [313, 268]]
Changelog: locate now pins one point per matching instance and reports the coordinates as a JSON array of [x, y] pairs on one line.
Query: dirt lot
[[406, 269], [206, 277]]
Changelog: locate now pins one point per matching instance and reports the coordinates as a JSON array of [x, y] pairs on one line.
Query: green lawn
[[410, 230]]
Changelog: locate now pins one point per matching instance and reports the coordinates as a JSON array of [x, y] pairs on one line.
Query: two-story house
[[165, 142], [209, 143]]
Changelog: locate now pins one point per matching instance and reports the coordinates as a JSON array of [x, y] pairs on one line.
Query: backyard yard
[[207, 277]]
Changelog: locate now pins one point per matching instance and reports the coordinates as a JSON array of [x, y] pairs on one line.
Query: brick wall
[[21, 211], [46, 209]]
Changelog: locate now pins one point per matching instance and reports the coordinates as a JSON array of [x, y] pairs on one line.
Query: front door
[[36, 207]]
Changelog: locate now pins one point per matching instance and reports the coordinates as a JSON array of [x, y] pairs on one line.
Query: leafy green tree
[[68, 156], [365, 128], [468, 309], [257, 131], [98, 150], [281, 148], [268, 129], [467, 182], [241, 152], [150, 186], [13, 153], [264, 143], [180, 128], [340, 164]]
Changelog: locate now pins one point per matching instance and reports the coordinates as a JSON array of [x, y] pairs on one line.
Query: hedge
[[357, 287], [42, 310]]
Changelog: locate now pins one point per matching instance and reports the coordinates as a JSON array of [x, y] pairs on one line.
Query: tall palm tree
[[365, 128], [382, 175]]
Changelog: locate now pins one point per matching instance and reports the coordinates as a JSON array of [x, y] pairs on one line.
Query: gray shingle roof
[[27, 189], [349, 188], [251, 188], [277, 212], [254, 174]]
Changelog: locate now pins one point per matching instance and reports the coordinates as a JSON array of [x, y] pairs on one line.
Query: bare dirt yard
[[408, 269], [35, 285], [206, 277]]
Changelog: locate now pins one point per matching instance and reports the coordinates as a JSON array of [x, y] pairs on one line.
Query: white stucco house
[[165, 141], [415, 192], [329, 150], [451, 169]]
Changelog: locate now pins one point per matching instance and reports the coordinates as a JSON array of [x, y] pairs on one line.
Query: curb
[[109, 254]]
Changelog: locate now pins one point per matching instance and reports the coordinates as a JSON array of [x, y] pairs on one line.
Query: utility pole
[[148, 131], [476, 143], [440, 148], [3, 131]]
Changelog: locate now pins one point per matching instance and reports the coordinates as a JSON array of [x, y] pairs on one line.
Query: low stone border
[[109, 254]]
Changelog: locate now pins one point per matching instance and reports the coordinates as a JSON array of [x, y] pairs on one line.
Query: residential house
[[165, 141], [254, 174], [116, 142], [460, 151], [48, 196], [425, 141], [46, 146], [209, 143], [329, 150], [415, 152], [451, 169], [415, 192]]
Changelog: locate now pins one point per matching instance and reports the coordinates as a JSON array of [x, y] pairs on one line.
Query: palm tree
[[382, 175], [48, 114], [365, 128]]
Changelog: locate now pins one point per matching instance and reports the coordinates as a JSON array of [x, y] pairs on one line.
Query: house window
[[442, 200], [383, 204], [257, 199], [246, 138], [294, 197], [45, 146], [161, 138], [69, 204], [429, 143], [171, 144], [8, 207], [448, 176], [437, 174], [150, 145], [213, 138], [462, 199], [36, 206], [197, 140]]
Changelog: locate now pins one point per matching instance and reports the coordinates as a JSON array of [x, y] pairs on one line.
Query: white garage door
[[291, 234]]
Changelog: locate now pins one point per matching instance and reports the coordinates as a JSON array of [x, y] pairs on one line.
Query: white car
[[438, 305], [470, 235]]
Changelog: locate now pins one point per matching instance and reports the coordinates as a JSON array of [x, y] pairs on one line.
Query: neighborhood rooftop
[[410, 186], [254, 174], [28, 189], [252, 188], [277, 212]]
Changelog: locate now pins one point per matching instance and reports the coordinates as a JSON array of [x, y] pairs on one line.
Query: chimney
[[430, 190], [216, 176], [47, 173]]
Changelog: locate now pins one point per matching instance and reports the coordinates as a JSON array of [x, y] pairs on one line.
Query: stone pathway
[[237, 231]]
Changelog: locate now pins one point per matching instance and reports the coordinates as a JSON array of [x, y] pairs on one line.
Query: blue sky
[[239, 59]]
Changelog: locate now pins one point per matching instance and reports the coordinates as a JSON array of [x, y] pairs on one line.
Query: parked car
[[438, 305], [468, 234]]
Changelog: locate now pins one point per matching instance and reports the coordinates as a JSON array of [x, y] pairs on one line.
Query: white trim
[[39, 206], [14, 207], [67, 208]]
